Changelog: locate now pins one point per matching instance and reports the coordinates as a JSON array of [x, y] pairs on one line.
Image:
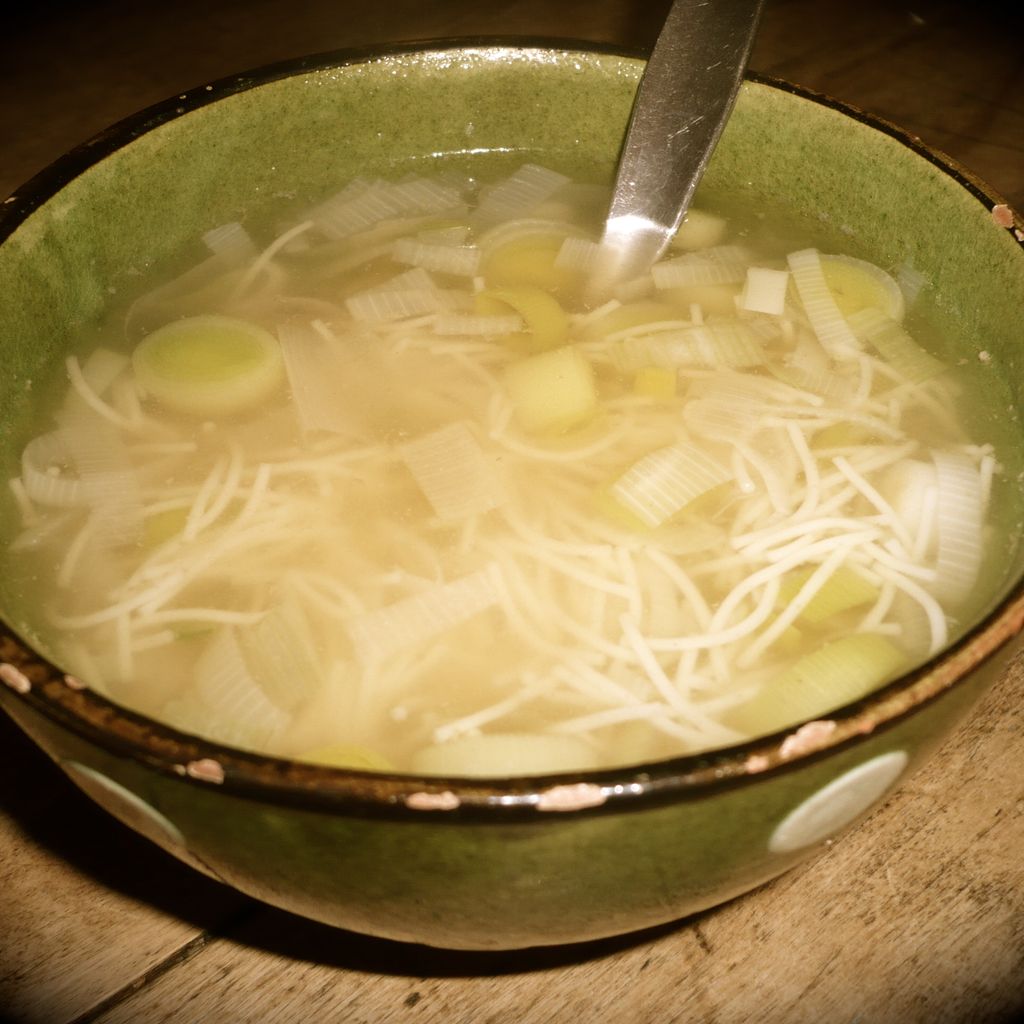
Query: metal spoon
[[682, 104]]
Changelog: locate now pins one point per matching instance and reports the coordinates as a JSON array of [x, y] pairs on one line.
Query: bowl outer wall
[[309, 133], [474, 885]]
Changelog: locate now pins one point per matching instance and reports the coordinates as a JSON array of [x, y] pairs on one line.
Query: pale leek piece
[[453, 472], [109, 479], [911, 281], [461, 260], [413, 620], [765, 291], [895, 346], [314, 367], [917, 636], [454, 234], [493, 325], [542, 315], [231, 242], [724, 264], [102, 368], [196, 290], [911, 489], [417, 196], [834, 384], [239, 710], [412, 293], [209, 366], [48, 472], [843, 590], [362, 205], [354, 209], [723, 344], [283, 654], [665, 481], [960, 521], [835, 674], [504, 754], [699, 230], [160, 527], [578, 254], [519, 194], [820, 304], [857, 284], [553, 391], [727, 408], [526, 229]]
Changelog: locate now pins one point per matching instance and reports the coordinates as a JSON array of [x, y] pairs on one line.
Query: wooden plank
[[87, 907], [917, 916], [941, 74]]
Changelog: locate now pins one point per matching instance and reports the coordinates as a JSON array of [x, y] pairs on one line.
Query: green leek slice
[[209, 366], [837, 673], [553, 391], [658, 382], [857, 284], [528, 259], [843, 590], [544, 319]]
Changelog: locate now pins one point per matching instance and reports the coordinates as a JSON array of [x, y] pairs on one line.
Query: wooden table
[[917, 915]]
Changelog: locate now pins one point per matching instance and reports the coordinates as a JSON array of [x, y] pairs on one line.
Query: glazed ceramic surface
[[501, 863]]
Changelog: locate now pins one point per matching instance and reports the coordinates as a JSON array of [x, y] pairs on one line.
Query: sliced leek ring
[[857, 284], [209, 366], [524, 253]]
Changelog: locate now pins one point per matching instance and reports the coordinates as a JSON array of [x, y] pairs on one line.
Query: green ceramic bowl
[[510, 862]]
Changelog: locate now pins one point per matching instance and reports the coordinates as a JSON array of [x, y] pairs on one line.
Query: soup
[[393, 491]]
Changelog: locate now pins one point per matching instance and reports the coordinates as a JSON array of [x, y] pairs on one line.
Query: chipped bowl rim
[[44, 688]]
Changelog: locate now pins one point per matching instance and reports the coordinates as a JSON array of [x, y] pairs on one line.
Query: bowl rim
[[45, 689]]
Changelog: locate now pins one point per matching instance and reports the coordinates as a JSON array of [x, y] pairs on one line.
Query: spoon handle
[[684, 99]]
